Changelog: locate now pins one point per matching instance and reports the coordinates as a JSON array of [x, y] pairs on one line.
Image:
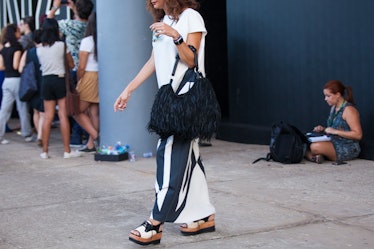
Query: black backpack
[[287, 144]]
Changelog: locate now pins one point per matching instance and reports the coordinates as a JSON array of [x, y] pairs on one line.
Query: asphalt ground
[[83, 203]]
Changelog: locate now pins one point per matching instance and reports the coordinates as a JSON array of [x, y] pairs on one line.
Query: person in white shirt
[[88, 85]]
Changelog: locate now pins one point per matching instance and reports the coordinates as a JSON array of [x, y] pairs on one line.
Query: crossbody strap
[[177, 59], [174, 68]]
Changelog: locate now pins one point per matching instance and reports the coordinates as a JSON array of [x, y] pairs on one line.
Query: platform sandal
[[148, 234], [200, 226]]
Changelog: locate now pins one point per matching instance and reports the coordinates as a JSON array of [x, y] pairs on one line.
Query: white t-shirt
[[164, 49], [88, 45], [52, 59]]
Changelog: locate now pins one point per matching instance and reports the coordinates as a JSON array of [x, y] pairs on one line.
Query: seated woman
[[343, 126]]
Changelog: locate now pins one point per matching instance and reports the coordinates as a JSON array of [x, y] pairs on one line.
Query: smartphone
[[64, 1]]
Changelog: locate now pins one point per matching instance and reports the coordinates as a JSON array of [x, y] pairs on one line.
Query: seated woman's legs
[[325, 149]]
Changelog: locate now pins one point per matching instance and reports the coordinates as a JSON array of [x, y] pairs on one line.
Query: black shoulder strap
[[174, 69], [267, 158]]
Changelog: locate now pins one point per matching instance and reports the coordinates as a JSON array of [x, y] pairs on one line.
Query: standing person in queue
[[73, 30], [10, 57], [36, 102], [27, 28], [52, 55], [181, 186], [88, 85], [343, 126]]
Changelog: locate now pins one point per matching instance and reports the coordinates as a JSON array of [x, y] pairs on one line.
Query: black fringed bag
[[194, 114]]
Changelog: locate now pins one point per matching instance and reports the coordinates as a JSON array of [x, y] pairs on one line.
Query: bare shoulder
[[351, 111]]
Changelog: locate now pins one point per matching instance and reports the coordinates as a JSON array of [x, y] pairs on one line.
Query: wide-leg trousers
[[181, 186]]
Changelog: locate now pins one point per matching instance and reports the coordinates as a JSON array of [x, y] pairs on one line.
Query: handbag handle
[[195, 57], [177, 58]]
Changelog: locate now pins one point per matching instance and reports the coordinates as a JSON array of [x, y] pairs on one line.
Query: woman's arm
[[22, 63], [2, 67], [83, 58], [352, 116], [147, 70], [70, 60], [55, 7], [185, 53], [16, 59]]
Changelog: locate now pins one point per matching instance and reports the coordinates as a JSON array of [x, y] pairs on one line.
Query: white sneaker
[[72, 154], [44, 155], [29, 139], [4, 141]]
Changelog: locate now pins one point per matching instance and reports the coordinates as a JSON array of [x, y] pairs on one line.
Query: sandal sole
[[156, 239], [206, 227]]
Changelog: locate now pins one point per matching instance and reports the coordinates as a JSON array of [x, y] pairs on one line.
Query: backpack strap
[[267, 158]]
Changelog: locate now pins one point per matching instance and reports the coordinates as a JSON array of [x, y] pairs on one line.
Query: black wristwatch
[[179, 40]]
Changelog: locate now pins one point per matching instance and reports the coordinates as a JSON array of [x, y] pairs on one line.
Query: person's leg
[[64, 124], [39, 124], [325, 149], [182, 192], [7, 129], [24, 116], [85, 121], [95, 119], [6, 106], [49, 113], [95, 115], [77, 131], [35, 119]]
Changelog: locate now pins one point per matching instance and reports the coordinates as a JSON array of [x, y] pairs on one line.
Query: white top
[[164, 49], [88, 45], [52, 58]]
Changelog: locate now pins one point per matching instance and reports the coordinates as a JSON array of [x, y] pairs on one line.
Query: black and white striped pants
[[181, 186]]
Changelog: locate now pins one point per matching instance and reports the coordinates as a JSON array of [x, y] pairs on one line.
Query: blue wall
[[124, 45], [280, 54]]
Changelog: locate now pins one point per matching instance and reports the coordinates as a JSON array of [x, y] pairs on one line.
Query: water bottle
[[147, 154]]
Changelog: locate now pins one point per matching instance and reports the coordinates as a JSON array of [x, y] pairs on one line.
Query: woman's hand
[[161, 28], [121, 103], [319, 128], [331, 131]]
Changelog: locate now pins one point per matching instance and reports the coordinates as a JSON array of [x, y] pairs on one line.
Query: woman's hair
[[336, 86], [175, 8], [37, 35], [84, 8], [29, 20], [9, 34], [91, 30], [50, 32]]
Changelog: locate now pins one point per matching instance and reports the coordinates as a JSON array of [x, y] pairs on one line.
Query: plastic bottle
[[147, 154]]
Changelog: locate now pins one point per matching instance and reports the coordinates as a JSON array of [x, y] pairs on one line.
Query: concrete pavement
[[81, 203]]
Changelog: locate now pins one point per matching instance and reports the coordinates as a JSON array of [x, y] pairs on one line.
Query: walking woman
[[52, 56], [10, 57], [181, 186]]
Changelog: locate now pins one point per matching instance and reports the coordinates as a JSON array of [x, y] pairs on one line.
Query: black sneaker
[[86, 149]]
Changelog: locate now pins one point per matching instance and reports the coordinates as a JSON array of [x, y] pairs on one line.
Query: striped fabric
[[181, 186]]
